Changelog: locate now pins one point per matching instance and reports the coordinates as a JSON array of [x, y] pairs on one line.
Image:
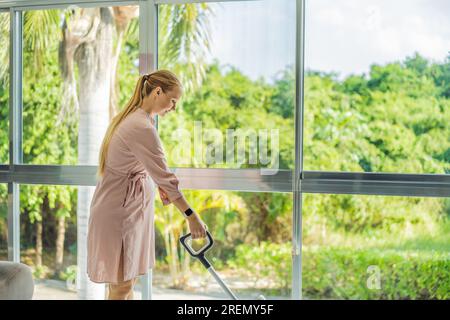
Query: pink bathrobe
[[122, 207]]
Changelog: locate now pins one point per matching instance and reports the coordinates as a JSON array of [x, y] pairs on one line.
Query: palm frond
[[132, 31], [4, 49], [185, 40], [41, 34]]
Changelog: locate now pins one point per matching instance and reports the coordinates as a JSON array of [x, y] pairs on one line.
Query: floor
[[57, 290]]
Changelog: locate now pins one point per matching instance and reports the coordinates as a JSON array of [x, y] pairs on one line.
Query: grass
[[418, 240]]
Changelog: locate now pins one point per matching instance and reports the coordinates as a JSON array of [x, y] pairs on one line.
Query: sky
[[343, 36], [257, 37]]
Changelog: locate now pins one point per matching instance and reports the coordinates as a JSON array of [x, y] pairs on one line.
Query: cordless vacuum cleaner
[[200, 255]]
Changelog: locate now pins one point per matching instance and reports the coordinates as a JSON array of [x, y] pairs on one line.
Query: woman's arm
[[196, 225], [144, 142]]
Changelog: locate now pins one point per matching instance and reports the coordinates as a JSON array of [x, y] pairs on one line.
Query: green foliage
[[4, 125], [40, 272], [268, 261], [370, 215], [229, 100], [394, 121], [338, 273], [283, 98], [345, 273], [70, 272]]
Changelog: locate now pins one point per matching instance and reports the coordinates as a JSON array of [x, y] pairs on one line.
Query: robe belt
[[135, 186]]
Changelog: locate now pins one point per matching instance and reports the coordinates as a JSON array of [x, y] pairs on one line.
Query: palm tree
[[86, 40]]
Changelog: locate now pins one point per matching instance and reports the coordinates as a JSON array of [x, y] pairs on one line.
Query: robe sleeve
[[144, 142]]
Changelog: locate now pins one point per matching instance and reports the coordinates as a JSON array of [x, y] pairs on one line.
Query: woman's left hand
[[163, 195]]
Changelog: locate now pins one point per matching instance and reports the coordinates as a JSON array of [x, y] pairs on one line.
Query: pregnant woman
[[132, 165]]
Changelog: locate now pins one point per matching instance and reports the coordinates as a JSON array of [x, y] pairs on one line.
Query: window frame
[[297, 181]]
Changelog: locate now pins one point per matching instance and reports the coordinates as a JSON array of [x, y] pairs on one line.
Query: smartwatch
[[188, 212]]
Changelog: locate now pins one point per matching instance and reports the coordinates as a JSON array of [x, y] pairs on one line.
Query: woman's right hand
[[196, 226]]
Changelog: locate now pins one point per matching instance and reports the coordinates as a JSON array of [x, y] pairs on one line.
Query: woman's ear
[[156, 92]]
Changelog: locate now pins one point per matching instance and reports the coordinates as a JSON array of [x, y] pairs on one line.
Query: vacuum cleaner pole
[[200, 255], [209, 267], [221, 283]]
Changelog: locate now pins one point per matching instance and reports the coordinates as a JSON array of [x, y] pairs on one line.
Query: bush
[[40, 272], [70, 276], [267, 263], [345, 273], [340, 273]]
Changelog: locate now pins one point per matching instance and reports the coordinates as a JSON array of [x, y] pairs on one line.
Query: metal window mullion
[[297, 192], [52, 4], [148, 61], [250, 180], [197, 1], [15, 132], [25, 5]]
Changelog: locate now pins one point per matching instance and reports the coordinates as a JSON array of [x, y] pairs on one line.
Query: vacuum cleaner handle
[[192, 252], [200, 255]]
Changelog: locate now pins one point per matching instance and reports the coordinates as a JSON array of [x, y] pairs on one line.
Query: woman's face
[[164, 102]]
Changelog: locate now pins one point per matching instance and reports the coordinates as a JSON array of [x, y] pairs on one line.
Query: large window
[[237, 65], [78, 73], [375, 98], [248, 228], [252, 250], [4, 87], [376, 86], [375, 247]]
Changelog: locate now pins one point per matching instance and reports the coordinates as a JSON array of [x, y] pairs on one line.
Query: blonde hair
[[145, 85]]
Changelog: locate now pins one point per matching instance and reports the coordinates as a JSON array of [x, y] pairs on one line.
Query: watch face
[[188, 212]]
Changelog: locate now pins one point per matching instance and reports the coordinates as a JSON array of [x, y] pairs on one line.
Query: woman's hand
[[196, 226], [163, 195]]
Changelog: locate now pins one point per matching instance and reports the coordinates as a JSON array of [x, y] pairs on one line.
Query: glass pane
[[48, 239], [251, 252], [377, 86], [3, 221], [375, 247], [77, 75], [236, 63], [4, 87]]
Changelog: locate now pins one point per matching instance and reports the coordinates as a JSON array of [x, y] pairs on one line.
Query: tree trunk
[[172, 269], [174, 259], [94, 64], [39, 244], [61, 231], [186, 260], [113, 106]]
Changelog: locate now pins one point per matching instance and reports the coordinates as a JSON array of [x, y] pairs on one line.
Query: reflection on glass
[[80, 67], [375, 247], [4, 87], [236, 61], [377, 86], [251, 251]]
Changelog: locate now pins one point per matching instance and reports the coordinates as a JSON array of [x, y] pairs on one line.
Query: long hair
[[145, 85]]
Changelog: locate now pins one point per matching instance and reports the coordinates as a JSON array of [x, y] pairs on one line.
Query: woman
[[121, 234]]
